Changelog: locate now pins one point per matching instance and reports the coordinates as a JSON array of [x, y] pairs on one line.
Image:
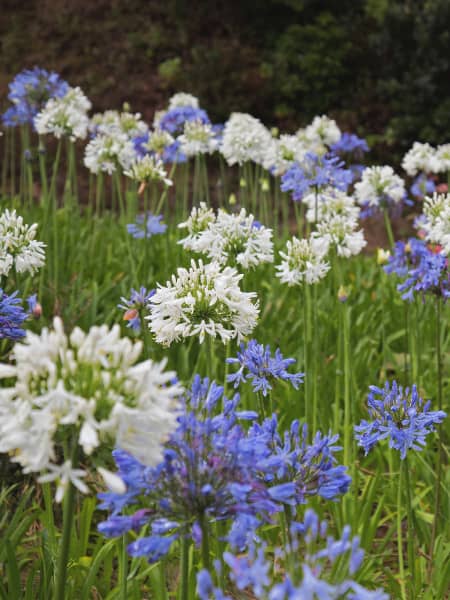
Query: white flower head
[[198, 138], [18, 246], [282, 152], [421, 157], [235, 240], [341, 234], [436, 210], [183, 99], [82, 385], [199, 220], [245, 139], [380, 186], [443, 157], [330, 202], [147, 169], [113, 122], [303, 262], [203, 300], [66, 116], [158, 141], [108, 152], [322, 130]]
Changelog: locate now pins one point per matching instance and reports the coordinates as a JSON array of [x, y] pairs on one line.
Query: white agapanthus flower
[[18, 246], [66, 116], [380, 186], [147, 169], [198, 138], [113, 122], [443, 157], [202, 300], [233, 240], [106, 153], [323, 130], [420, 158], [198, 221], [83, 388], [436, 210], [183, 99], [245, 139], [330, 202], [282, 152], [158, 141], [303, 262], [341, 234]]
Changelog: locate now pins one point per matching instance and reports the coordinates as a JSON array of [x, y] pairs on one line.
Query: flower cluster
[[257, 364], [198, 138], [303, 262], [426, 159], [12, 316], [18, 247], [65, 116], [29, 92], [113, 122], [314, 173], [148, 169], [230, 239], [245, 139], [379, 187], [425, 270], [203, 300], [339, 233], [107, 152], [350, 147], [80, 388], [437, 220], [283, 152], [398, 415], [146, 226], [322, 130], [174, 119], [330, 202]]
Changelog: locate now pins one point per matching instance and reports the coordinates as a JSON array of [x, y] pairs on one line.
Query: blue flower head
[[134, 306], [174, 119], [12, 316], [313, 173], [350, 147], [398, 415], [146, 226], [29, 92], [258, 365]]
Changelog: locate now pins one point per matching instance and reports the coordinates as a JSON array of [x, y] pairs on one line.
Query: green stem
[[410, 524], [184, 568], [124, 569], [205, 542], [387, 223], [68, 512], [401, 565]]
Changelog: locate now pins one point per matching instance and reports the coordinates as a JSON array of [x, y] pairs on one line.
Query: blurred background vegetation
[[379, 67]]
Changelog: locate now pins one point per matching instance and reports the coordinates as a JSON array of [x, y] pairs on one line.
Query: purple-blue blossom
[[398, 415], [146, 226], [350, 147], [174, 119], [12, 316], [134, 305]]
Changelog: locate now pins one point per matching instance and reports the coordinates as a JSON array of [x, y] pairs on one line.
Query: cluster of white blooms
[[282, 152], [303, 262], [183, 99], [322, 130], [158, 140], [82, 388], [380, 186], [107, 152], [203, 300], [113, 122], [443, 157], [18, 246], [421, 157], [339, 233], [229, 239], [198, 138], [436, 210], [330, 202], [66, 116], [245, 139], [147, 169], [198, 221]]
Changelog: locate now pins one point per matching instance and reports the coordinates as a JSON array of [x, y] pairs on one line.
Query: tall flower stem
[[68, 512], [307, 336], [437, 502], [184, 568], [409, 509], [387, 224], [401, 564], [205, 542], [124, 568]]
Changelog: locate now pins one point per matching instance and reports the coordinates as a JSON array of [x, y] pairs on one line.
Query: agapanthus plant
[[420, 158], [12, 316], [340, 234], [146, 226], [245, 139], [303, 262], [108, 152], [204, 300], [399, 416], [135, 307], [379, 187], [66, 116], [198, 138], [436, 210], [29, 92], [314, 564], [79, 390], [18, 247]]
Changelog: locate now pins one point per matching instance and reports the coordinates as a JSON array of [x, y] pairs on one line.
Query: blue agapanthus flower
[[424, 270], [174, 119], [207, 473], [257, 364], [147, 225], [398, 415], [422, 186], [313, 173], [134, 305], [313, 565], [12, 316], [170, 154], [350, 147], [29, 92]]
